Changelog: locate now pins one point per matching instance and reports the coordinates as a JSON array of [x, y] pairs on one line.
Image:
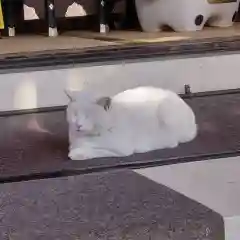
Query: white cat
[[134, 121]]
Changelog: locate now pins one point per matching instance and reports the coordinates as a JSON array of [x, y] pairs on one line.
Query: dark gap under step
[[37, 143]]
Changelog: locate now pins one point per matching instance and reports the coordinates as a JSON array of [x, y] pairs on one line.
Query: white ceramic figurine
[[185, 15]]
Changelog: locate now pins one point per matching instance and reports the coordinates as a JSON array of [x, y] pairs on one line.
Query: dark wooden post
[[131, 19], [10, 18], [103, 24], [52, 23]]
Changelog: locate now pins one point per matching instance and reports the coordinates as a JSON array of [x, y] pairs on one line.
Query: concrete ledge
[[36, 89]]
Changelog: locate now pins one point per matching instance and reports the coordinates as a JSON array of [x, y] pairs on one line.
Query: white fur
[[138, 120]]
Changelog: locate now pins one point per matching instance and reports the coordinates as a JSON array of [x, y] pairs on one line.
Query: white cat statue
[[134, 121], [185, 15]]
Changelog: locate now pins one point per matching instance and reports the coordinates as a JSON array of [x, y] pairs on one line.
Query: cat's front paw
[[79, 154]]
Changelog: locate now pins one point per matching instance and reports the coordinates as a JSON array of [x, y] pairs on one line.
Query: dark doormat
[[36, 145]]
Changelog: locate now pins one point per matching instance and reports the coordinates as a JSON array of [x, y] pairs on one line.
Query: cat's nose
[[79, 127]]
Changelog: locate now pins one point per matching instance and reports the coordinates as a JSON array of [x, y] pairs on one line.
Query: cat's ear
[[71, 95], [105, 102]]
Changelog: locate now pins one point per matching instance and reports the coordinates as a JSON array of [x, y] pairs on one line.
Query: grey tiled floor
[[117, 205]]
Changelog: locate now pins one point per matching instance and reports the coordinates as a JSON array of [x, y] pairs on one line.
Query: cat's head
[[87, 112]]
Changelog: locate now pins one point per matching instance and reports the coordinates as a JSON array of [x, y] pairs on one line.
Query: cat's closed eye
[[74, 117]]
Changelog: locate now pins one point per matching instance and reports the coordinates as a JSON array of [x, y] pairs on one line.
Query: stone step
[[43, 86]]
